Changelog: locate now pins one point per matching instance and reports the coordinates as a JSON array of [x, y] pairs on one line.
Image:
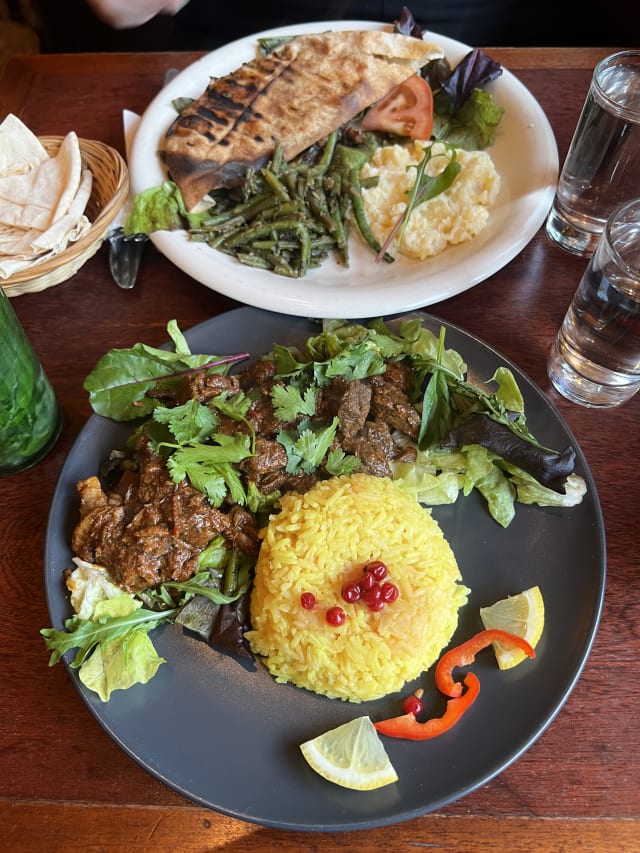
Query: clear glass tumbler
[[595, 359], [30, 418], [602, 167]]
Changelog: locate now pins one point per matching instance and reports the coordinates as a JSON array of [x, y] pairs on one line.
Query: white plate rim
[[525, 153]]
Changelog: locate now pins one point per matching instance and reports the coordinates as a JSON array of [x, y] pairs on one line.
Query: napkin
[[130, 122]]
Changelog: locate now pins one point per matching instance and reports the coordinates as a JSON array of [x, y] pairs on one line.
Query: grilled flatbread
[[295, 96]]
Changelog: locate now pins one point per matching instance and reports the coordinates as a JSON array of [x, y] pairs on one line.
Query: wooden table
[[64, 784]]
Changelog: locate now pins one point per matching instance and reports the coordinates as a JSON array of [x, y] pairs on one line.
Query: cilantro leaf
[[190, 422], [338, 462], [288, 402], [209, 467], [307, 448]]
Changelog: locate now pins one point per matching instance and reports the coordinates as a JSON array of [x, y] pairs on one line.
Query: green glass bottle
[[30, 419]]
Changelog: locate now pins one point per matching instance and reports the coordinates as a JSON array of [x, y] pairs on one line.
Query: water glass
[[595, 359], [30, 419], [602, 168]]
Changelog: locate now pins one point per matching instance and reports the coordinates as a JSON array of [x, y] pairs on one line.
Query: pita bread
[[20, 149], [42, 198], [294, 96]]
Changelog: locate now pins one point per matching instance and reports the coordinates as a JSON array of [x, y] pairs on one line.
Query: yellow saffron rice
[[320, 541]]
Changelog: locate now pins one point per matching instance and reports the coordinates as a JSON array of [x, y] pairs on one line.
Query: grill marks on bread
[[295, 96]]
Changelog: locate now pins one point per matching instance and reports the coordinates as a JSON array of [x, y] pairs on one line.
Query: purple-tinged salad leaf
[[549, 467], [475, 71], [406, 24], [465, 113], [120, 382]]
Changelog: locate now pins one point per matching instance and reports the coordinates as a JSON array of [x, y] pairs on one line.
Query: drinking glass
[[602, 168], [30, 419], [595, 359]]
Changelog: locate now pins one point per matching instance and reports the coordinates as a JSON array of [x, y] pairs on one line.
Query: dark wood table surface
[[64, 784]]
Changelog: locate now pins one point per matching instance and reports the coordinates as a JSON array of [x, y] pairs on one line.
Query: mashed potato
[[455, 216]]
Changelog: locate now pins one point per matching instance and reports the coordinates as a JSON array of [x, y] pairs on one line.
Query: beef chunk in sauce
[[156, 531], [145, 529]]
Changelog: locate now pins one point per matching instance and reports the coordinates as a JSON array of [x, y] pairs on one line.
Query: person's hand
[[124, 14]]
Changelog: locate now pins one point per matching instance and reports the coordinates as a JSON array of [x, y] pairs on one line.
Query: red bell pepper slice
[[408, 727], [466, 652]]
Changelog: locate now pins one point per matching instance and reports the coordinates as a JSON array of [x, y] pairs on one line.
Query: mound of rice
[[323, 539]]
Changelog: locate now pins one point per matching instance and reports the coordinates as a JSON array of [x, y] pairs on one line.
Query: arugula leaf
[[85, 634], [424, 188]]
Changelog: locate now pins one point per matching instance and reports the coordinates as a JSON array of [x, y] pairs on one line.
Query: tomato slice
[[406, 111]]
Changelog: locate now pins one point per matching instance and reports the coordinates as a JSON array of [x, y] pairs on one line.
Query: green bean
[[276, 185], [230, 576], [292, 215], [326, 158], [264, 229], [360, 216]]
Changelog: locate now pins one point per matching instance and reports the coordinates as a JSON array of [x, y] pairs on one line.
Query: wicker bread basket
[[108, 193]]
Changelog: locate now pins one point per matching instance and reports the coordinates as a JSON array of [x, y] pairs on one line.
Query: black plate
[[224, 734]]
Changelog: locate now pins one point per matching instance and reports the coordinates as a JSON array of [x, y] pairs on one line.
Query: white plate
[[525, 154]]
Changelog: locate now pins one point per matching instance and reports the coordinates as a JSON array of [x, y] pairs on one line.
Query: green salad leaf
[[120, 383]]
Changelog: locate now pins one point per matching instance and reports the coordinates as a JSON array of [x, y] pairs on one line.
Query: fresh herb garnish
[[424, 188]]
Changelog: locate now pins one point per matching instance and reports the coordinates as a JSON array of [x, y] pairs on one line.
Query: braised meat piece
[[329, 398], [392, 406], [258, 375], [374, 446], [284, 482], [270, 457], [400, 374], [205, 386], [243, 531], [262, 418], [354, 409], [156, 531]]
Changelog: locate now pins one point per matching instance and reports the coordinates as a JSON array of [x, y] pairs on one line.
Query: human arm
[[123, 14]]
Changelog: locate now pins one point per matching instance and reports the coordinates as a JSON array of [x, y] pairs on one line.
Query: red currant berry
[[377, 568], [351, 592], [376, 606], [308, 600], [367, 582], [412, 705], [390, 592], [372, 596], [335, 616]]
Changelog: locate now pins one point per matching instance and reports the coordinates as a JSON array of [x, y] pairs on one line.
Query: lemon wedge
[[522, 615], [351, 755]]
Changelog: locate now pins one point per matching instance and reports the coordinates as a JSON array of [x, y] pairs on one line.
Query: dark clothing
[[474, 22], [207, 24]]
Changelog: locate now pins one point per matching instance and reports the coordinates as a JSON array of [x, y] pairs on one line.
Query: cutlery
[[125, 252]]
